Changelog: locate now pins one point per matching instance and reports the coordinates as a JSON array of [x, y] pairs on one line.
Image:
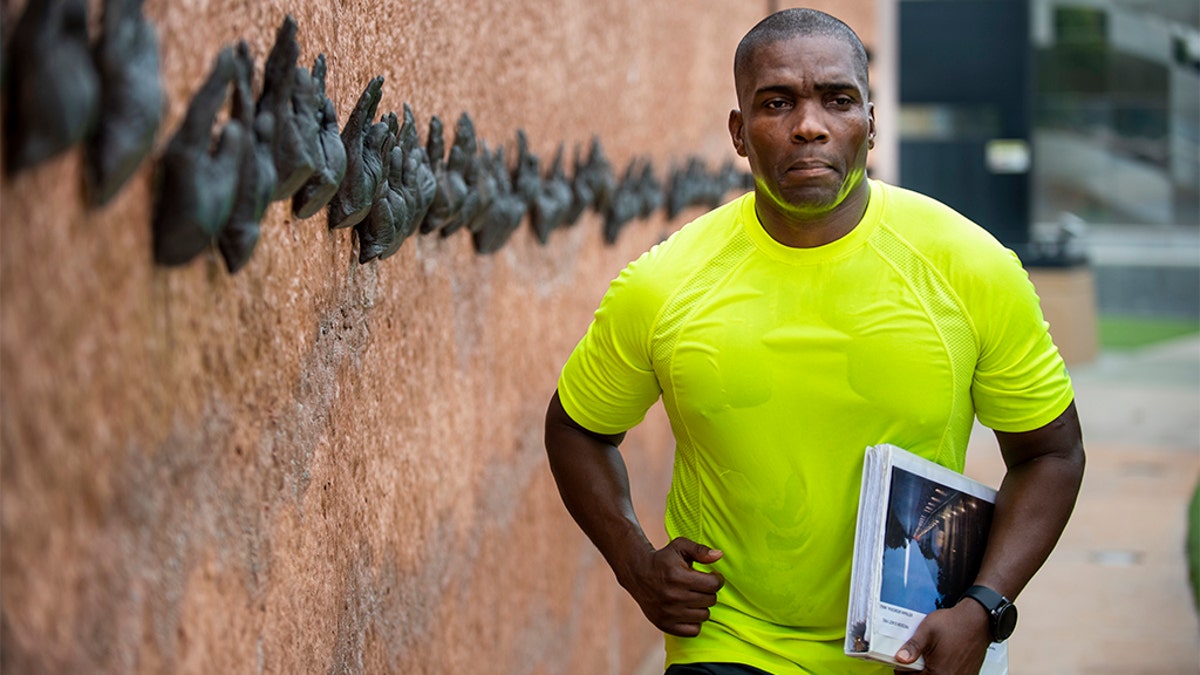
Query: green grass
[[1193, 545], [1130, 332]]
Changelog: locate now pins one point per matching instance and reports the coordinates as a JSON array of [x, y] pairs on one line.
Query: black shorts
[[713, 669]]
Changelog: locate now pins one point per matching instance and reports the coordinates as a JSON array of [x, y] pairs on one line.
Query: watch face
[[1006, 621]]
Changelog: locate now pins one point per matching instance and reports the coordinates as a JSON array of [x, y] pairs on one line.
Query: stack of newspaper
[[922, 529]]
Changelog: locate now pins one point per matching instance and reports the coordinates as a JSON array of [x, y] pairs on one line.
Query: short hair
[[800, 22]]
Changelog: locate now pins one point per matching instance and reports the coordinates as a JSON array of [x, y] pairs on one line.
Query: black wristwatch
[[1002, 614]]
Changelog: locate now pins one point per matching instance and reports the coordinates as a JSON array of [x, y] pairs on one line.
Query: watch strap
[[991, 600], [1002, 614]]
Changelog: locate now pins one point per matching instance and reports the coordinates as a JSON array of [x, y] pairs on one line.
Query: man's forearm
[[1045, 469], [1035, 500], [594, 485]]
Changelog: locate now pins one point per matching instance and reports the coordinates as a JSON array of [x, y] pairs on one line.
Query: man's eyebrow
[[775, 89], [820, 86], [835, 86]]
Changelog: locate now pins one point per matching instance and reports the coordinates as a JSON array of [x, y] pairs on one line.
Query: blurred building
[[1117, 142], [965, 116], [1070, 129], [1117, 110]]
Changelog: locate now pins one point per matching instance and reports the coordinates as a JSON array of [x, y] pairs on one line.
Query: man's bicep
[[1061, 438], [558, 420]]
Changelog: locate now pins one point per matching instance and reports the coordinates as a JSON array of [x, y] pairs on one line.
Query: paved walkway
[[1114, 596]]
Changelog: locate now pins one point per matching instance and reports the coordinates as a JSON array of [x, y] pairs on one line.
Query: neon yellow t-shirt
[[778, 366]]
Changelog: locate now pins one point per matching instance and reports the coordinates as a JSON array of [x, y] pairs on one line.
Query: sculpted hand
[[672, 595], [355, 195], [256, 170], [53, 89], [288, 98], [506, 211], [412, 181], [550, 209], [527, 179], [481, 182], [420, 181], [650, 191], [598, 173], [320, 187], [446, 212], [624, 205], [377, 156], [687, 186], [409, 193], [547, 200], [454, 203], [196, 192], [435, 150], [377, 231], [476, 181], [953, 641], [582, 197], [131, 99], [407, 204]]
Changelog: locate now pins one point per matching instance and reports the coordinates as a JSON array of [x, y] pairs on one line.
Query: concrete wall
[[315, 465]]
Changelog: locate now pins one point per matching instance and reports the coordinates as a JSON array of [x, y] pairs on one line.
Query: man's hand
[[953, 641], [1045, 469], [672, 595], [594, 484]]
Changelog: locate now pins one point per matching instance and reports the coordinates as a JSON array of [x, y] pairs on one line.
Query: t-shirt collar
[[818, 254]]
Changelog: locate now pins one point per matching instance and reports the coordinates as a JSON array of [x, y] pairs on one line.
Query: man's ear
[[735, 132], [870, 126]]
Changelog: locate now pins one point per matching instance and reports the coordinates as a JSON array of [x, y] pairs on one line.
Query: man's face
[[805, 124]]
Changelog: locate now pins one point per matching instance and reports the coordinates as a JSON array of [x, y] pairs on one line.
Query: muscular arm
[[1045, 469], [594, 486]]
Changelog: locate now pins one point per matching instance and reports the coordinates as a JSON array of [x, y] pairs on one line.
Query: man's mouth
[[809, 167]]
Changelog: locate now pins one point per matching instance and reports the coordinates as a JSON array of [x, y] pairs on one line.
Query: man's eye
[[843, 101], [775, 104]]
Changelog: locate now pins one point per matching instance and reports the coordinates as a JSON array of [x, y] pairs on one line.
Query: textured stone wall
[[314, 465]]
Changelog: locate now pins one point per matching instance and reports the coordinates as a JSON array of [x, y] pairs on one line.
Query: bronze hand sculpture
[[131, 99], [506, 212], [256, 170], [330, 169], [53, 89], [290, 99], [364, 167], [196, 185]]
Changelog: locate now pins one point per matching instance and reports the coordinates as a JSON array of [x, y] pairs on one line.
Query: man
[[785, 332]]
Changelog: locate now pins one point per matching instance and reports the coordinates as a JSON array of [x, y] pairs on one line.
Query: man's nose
[[808, 124]]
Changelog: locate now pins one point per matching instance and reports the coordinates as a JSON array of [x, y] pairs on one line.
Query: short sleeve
[[609, 383], [1021, 382]]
